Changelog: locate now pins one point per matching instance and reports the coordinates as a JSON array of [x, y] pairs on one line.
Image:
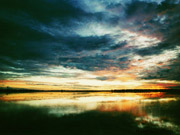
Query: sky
[[90, 44]]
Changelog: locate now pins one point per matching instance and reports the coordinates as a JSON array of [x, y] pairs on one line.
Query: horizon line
[[11, 90]]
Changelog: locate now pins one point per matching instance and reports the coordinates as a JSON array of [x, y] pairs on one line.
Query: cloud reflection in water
[[149, 110]]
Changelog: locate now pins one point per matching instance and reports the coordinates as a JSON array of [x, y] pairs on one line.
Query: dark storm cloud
[[156, 49], [97, 62], [29, 36], [28, 32], [170, 72], [141, 8], [161, 20], [77, 43], [45, 11], [148, 18], [117, 46], [24, 34], [169, 29], [37, 34], [152, 19]]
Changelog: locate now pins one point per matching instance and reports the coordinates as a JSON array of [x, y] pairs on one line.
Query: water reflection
[[150, 111], [65, 103]]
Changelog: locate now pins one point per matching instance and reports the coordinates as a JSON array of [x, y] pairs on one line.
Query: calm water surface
[[90, 113]]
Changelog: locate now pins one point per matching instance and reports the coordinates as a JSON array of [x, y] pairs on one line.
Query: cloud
[[89, 35], [103, 78], [170, 72]]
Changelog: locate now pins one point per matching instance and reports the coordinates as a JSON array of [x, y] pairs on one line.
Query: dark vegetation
[[21, 90]]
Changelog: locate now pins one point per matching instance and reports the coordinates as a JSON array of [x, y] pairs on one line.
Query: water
[[90, 113]]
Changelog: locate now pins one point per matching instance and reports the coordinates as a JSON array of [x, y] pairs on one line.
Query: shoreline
[[113, 91]]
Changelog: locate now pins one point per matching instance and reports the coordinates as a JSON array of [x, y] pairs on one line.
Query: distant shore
[[6, 90]]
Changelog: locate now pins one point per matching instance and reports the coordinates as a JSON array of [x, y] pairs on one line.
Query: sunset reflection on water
[[147, 108], [58, 102]]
